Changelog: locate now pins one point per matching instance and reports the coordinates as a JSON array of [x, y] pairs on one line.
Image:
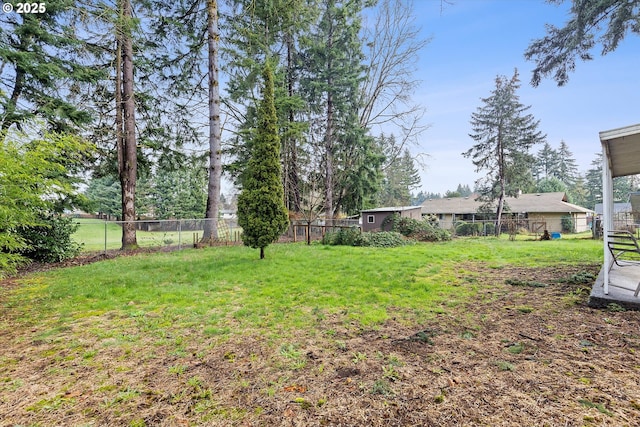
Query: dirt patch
[[526, 351]]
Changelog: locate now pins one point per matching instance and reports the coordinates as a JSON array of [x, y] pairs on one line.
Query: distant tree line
[[138, 80]]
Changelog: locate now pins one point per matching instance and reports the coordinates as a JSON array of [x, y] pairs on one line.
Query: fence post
[[105, 237], [179, 234]]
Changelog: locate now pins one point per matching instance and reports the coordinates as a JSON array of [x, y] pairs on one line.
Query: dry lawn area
[[519, 354]]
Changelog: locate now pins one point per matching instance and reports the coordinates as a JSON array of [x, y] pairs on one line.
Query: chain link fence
[[101, 236]]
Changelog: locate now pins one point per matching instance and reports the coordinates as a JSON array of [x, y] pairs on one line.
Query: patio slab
[[622, 284]]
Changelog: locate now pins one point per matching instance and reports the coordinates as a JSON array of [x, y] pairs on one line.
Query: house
[[372, 219], [540, 210], [624, 215]]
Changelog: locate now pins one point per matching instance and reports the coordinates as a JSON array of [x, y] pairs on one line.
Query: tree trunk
[[261, 253], [292, 188], [9, 116], [128, 168], [215, 146], [499, 213], [502, 180], [328, 140]]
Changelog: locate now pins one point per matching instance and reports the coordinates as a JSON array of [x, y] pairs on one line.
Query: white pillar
[[607, 210]]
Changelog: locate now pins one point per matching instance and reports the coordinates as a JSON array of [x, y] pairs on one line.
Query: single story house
[[372, 219], [541, 210]]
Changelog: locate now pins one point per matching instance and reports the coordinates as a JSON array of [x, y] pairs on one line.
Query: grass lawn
[[315, 335]]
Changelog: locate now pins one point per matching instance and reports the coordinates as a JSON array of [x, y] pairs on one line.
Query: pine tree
[[40, 66], [606, 22], [401, 178], [551, 185], [504, 134], [593, 184], [215, 126], [332, 79], [261, 211], [546, 163], [257, 30], [567, 169], [126, 123]]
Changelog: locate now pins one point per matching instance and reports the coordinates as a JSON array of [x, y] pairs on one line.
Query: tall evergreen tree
[[546, 163], [550, 185], [593, 183], [180, 193], [577, 193], [463, 190], [606, 22], [257, 30], [215, 127], [40, 64], [567, 169], [401, 178], [622, 185], [504, 133], [332, 80], [126, 122], [104, 196], [261, 211]]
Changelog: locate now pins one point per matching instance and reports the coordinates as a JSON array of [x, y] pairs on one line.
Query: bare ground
[[526, 351]]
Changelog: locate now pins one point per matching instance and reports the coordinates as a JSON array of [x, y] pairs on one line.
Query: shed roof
[[618, 208], [392, 209], [530, 203]]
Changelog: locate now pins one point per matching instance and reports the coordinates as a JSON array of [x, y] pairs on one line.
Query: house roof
[[392, 209], [529, 203], [618, 208]]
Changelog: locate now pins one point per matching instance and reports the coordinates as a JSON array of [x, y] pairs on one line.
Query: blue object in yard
[[555, 235]]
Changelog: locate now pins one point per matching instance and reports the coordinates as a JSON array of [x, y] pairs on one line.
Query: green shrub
[[424, 231], [353, 237], [329, 238], [348, 237], [384, 239], [489, 229], [567, 224], [468, 228], [51, 241]]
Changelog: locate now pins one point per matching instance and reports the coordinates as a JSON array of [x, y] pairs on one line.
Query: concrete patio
[[622, 285]]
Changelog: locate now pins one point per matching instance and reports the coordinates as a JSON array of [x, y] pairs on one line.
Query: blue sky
[[473, 41]]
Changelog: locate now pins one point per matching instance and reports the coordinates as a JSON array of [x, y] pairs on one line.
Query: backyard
[[476, 332]]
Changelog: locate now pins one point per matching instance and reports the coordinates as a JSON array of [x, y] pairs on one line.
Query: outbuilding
[[373, 219]]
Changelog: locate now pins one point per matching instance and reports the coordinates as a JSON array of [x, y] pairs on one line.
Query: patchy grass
[[317, 335]]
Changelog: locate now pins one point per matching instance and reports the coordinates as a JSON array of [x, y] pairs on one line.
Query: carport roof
[[623, 149]]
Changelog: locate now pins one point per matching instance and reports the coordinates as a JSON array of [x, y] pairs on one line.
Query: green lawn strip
[[169, 312], [212, 286]]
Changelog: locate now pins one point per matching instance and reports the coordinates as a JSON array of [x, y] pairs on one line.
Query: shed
[[372, 219]]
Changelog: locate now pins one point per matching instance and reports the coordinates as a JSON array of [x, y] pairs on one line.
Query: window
[[371, 219]]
